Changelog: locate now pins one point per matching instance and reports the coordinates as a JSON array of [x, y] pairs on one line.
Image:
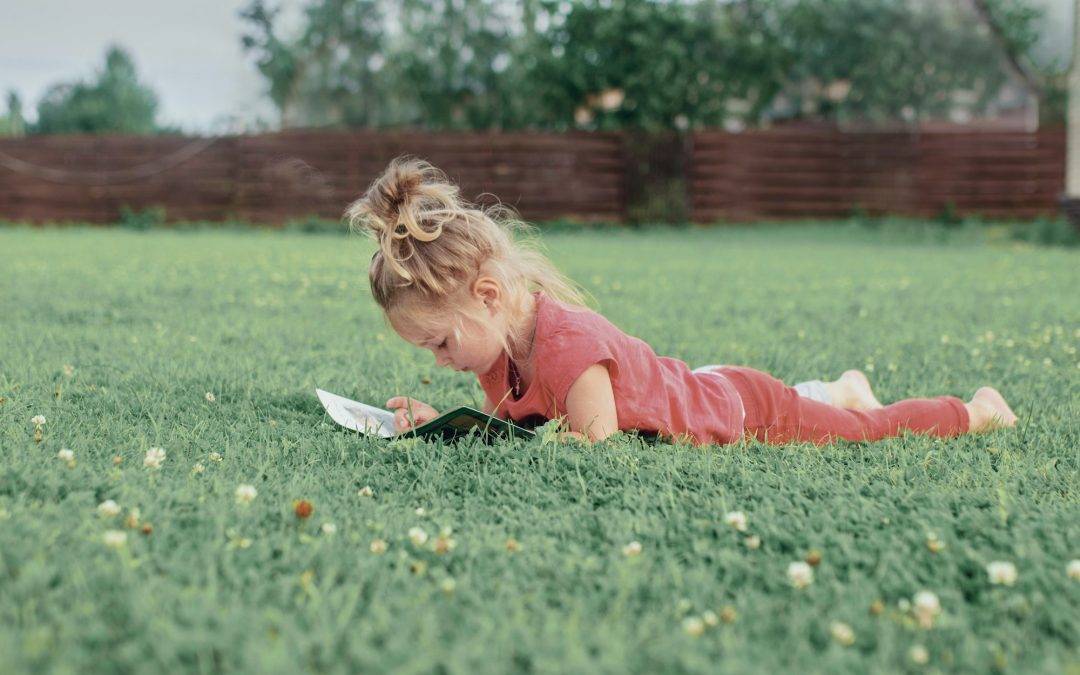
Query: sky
[[190, 53]]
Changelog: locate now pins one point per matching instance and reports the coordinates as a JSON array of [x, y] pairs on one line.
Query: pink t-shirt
[[653, 394]]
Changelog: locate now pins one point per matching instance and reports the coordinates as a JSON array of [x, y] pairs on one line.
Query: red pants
[[775, 413]]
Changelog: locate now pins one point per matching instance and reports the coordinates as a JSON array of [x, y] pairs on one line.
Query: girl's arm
[[590, 405]]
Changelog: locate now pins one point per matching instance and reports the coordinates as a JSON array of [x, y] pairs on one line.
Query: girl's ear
[[488, 291]]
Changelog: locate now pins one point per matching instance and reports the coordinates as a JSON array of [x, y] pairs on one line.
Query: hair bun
[[410, 202]]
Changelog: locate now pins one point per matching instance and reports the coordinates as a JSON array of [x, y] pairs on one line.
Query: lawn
[[120, 338]]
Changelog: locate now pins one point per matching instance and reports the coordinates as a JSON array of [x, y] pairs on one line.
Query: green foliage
[[115, 103], [150, 218], [317, 225], [454, 65], [642, 64], [1048, 232], [1018, 22], [261, 319], [13, 123], [887, 60]]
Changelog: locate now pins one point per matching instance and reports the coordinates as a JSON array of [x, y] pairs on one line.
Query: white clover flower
[[154, 458], [448, 585], [38, 420], [918, 655], [329, 529], [108, 509], [927, 602], [693, 626], [1073, 569], [210, 397], [418, 536], [1002, 573], [800, 574], [378, 546], [842, 633], [736, 519], [115, 538], [198, 468], [66, 455], [710, 618], [69, 370], [420, 511], [245, 494], [753, 542], [366, 491], [927, 607], [215, 456], [632, 549]]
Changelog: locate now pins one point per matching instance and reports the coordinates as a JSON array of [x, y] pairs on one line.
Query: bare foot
[[852, 391], [987, 410]]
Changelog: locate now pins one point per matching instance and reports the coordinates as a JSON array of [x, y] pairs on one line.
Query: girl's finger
[[401, 419]]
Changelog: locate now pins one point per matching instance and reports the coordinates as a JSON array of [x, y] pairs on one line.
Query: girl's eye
[[442, 344]]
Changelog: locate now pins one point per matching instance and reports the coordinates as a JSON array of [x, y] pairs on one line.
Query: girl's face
[[475, 347]]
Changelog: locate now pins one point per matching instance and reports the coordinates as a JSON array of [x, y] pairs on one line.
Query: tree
[[440, 66], [452, 63], [880, 60], [13, 123], [654, 65], [647, 64], [116, 102]]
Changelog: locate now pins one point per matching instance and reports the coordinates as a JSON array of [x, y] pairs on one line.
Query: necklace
[[515, 379], [515, 376]]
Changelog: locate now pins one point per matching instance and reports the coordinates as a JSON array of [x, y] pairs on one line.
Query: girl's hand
[[405, 408]]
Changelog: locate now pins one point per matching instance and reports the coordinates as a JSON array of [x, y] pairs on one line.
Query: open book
[[448, 426]]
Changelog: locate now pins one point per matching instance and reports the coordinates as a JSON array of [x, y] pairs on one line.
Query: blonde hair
[[433, 245]]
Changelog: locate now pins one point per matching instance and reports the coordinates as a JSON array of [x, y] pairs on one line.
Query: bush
[[151, 218], [1047, 232], [316, 225]]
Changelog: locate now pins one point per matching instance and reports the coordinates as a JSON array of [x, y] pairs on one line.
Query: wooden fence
[[756, 175], [808, 173], [278, 177]]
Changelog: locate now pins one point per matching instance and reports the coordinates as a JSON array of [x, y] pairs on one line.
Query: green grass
[[151, 322]]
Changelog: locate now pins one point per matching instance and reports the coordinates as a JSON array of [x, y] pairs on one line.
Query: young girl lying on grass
[[450, 278]]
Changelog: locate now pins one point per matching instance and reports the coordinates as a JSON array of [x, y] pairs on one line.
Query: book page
[[357, 416]]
